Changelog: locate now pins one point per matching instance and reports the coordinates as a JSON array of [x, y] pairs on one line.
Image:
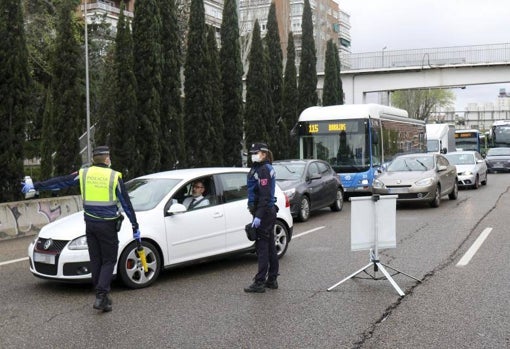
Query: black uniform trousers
[[103, 244], [266, 248]]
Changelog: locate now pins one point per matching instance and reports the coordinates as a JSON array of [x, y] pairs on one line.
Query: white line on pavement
[[472, 250], [307, 232], [13, 261]]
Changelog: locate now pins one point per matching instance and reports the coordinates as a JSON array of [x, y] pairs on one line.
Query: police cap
[[256, 147], [102, 150]]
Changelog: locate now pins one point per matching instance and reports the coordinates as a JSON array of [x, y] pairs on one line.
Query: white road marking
[[474, 248], [13, 261], [307, 232]]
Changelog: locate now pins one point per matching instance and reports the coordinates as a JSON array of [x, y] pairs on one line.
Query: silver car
[[471, 168], [418, 178]]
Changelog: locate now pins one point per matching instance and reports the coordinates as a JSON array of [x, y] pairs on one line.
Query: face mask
[[255, 158]]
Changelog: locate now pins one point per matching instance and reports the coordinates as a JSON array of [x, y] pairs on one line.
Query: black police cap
[[102, 150], [256, 147]]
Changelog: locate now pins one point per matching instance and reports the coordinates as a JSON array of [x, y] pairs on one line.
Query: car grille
[[54, 248], [398, 186]]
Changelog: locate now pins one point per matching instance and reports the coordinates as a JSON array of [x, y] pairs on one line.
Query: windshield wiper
[[421, 163]]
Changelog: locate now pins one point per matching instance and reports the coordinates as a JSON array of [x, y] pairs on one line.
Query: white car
[[471, 168], [171, 235]]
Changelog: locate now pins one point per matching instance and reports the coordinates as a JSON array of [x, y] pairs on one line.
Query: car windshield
[[422, 163], [498, 151], [461, 159], [289, 171], [146, 193]]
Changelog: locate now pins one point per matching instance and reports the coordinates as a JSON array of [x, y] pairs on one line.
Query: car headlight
[[425, 182], [290, 193], [378, 184], [467, 173], [79, 243]]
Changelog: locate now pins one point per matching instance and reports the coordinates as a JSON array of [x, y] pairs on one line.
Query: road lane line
[[13, 261], [307, 232], [474, 248]]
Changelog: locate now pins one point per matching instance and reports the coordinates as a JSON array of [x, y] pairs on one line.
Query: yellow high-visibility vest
[[98, 185]]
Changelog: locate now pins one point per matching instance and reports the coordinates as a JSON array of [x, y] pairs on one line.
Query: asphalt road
[[204, 306]]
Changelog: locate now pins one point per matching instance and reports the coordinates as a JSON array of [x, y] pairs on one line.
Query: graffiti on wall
[[24, 218]]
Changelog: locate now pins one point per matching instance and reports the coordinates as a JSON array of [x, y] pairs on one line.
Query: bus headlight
[[364, 182]]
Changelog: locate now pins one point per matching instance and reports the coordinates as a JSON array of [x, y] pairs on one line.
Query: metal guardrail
[[428, 57]]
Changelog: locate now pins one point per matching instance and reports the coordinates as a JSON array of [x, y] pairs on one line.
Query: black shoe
[[272, 284], [256, 287], [103, 302]]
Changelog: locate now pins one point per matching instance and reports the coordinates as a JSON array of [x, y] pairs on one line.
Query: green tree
[[290, 101], [172, 122], [68, 107], [420, 103], [231, 84], [275, 71], [332, 90], [147, 69], [14, 85], [258, 106], [307, 85], [124, 124], [197, 98], [215, 133]]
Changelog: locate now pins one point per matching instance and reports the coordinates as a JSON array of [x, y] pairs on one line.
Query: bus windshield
[[346, 150]]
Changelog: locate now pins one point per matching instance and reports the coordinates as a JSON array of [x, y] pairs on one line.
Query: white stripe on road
[[293, 237], [13, 261], [307, 232], [472, 250]]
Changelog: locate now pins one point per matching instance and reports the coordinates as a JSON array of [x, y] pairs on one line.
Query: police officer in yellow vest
[[101, 189]]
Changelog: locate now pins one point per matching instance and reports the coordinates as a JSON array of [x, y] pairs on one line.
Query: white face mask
[[255, 158]]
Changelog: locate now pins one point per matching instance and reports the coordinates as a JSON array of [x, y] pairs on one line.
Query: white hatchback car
[[171, 235]]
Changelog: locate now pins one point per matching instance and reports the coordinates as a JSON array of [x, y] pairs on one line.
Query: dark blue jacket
[[261, 188]]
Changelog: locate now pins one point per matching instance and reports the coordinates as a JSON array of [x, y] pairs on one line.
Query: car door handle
[[217, 215]]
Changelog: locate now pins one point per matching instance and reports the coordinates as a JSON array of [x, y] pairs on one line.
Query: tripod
[[374, 257]]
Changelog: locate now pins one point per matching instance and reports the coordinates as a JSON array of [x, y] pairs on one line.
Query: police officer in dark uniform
[[261, 203], [101, 189]]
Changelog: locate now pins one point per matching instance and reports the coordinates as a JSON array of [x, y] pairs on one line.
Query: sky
[[413, 24]]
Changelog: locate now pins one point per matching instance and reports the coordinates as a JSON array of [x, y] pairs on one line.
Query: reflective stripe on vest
[[98, 186]]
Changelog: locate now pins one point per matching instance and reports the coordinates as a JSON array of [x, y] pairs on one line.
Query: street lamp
[[382, 56], [87, 101]]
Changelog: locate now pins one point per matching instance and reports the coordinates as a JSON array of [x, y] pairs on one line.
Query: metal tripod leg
[[390, 279], [400, 272], [351, 276]]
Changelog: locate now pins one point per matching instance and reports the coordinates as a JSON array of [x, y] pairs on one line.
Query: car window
[[234, 186], [184, 195], [313, 170], [441, 161], [145, 194], [323, 168], [288, 171]]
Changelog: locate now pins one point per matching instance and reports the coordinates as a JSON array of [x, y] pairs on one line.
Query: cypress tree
[[197, 99], [330, 92], [275, 71], [172, 123], [231, 85], [147, 69], [214, 80], [339, 79], [14, 84], [257, 103], [47, 137], [68, 107], [290, 99], [307, 86], [125, 123]]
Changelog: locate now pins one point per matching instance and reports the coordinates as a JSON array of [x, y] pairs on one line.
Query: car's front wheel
[[130, 266], [436, 201], [281, 238], [339, 201], [477, 182], [304, 209], [455, 191]]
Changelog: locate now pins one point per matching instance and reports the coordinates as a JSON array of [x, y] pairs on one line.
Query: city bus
[[468, 140], [358, 139], [500, 134]]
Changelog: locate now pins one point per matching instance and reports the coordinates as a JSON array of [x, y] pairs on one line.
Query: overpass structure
[[446, 67]]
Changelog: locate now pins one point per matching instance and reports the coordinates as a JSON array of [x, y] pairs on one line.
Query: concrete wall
[[23, 218]]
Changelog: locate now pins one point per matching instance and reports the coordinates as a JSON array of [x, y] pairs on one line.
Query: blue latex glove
[[256, 222], [136, 234], [26, 187]]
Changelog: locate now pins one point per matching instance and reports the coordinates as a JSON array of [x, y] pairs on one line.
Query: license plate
[[44, 258], [397, 190]]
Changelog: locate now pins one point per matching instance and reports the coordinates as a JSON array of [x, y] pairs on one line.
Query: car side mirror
[[315, 176], [441, 168], [176, 208]]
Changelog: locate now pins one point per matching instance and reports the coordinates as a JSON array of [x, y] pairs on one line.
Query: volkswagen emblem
[[48, 244]]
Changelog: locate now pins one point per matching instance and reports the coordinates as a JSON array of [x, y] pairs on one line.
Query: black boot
[[103, 302], [255, 287], [271, 283]]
